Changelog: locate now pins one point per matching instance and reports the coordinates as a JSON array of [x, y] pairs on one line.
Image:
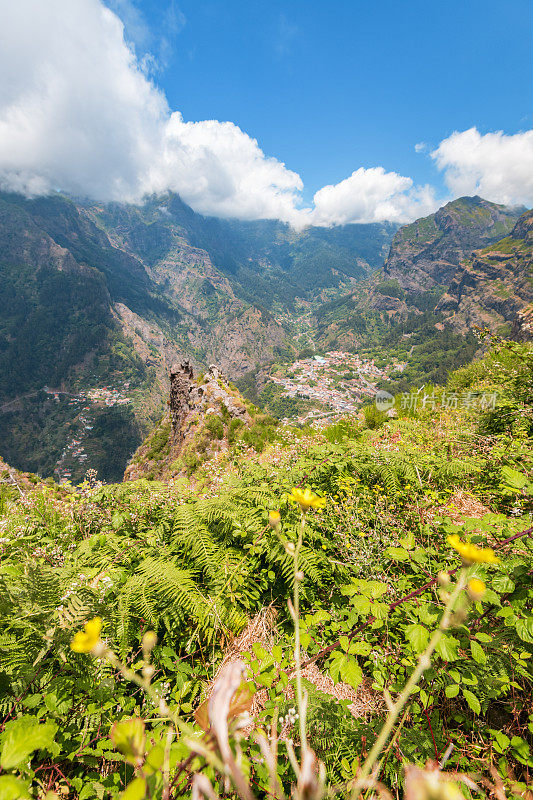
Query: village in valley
[[338, 382], [332, 385], [88, 402]]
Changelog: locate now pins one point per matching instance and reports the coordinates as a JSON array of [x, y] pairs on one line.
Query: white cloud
[[76, 112], [421, 147], [497, 166], [372, 195], [79, 113], [219, 169]]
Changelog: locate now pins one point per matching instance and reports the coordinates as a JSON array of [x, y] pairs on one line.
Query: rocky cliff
[[494, 287], [206, 415], [423, 259], [428, 251]]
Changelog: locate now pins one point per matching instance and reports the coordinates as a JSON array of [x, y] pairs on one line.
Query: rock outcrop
[[202, 412], [190, 397]]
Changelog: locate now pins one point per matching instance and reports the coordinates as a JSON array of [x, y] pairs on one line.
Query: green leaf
[[417, 636], [265, 678], [502, 584], [524, 628], [32, 701], [408, 541], [472, 701], [348, 590], [129, 739], [154, 759], [360, 649], [344, 643], [351, 672], [501, 741], [447, 648], [22, 736], [397, 554], [334, 665], [512, 479], [259, 651], [361, 604], [135, 790], [380, 610], [477, 652], [377, 588], [321, 616], [117, 519], [521, 747], [452, 690], [492, 597], [12, 788], [426, 615]]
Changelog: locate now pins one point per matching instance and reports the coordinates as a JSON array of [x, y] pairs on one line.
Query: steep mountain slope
[[57, 335], [266, 262], [428, 251], [395, 313], [422, 261], [495, 285]]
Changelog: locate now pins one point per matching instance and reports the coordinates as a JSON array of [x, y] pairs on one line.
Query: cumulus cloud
[[219, 169], [79, 113], [76, 111], [372, 195], [497, 166]]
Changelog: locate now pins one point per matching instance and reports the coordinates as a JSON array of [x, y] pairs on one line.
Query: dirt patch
[[460, 505], [261, 630]]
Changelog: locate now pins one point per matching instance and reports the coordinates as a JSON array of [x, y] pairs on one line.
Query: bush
[[391, 288], [215, 426], [373, 417]]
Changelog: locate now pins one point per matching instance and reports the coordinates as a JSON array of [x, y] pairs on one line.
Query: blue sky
[[307, 112], [330, 87]]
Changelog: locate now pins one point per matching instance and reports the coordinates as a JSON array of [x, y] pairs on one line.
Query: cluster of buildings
[[74, 450], [109, 397], [339, 381]]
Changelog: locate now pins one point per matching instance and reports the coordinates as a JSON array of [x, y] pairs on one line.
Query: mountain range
[[96, 295], [98, 300]]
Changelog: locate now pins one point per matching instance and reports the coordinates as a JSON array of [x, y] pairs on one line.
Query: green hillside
[[380, 635]]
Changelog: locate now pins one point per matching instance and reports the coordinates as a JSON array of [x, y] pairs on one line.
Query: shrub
[[373, 417]]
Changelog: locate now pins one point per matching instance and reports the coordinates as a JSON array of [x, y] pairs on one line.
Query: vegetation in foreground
[[410, 670]]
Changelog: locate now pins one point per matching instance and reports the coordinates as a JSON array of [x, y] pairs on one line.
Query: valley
[[118, 293]]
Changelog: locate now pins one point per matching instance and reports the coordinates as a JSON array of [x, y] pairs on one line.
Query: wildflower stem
[[423, 664], [297, 655]]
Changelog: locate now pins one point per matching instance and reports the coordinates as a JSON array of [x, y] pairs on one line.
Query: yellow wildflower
[[84, 641], [470, 553], [476, 588], [274, 519], [307, 499]]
